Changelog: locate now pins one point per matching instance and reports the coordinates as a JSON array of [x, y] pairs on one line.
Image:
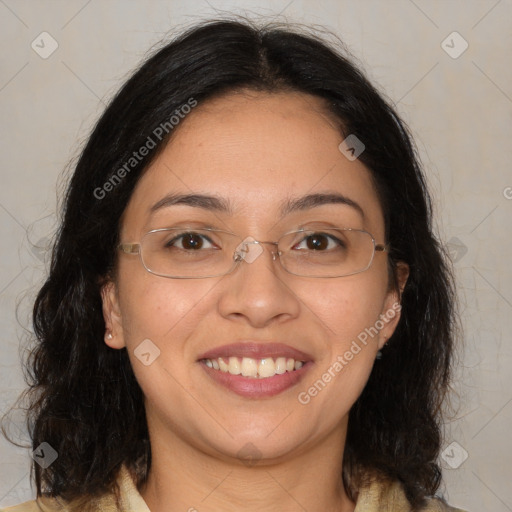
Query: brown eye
[[320, 242], [191, 241], [317, 242]]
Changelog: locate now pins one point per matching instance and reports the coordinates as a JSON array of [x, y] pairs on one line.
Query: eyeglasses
[[190, 253]]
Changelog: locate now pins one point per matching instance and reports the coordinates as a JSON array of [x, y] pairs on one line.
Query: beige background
[[460, 111]]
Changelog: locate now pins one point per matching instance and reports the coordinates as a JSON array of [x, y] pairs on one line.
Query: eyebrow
[[315, 200], [195, 200], [218, 204]]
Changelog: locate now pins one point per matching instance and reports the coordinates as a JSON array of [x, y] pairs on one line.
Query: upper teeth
[[249, 367]]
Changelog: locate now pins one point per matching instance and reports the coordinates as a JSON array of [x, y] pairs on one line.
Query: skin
[[255, 150]]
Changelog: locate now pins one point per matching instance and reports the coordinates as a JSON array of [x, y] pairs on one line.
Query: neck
[[184, 478]]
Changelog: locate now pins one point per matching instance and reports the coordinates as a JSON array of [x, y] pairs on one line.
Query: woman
[[247, 308]]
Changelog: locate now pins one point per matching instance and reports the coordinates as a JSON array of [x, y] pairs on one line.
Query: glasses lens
[[326, 252], [188, 253]]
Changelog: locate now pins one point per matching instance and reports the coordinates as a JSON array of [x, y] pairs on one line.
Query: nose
[[258, 291]]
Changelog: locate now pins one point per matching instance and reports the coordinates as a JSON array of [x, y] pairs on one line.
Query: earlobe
[[111, 314]]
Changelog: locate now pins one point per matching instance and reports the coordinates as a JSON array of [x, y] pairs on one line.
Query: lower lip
[[254, 387]]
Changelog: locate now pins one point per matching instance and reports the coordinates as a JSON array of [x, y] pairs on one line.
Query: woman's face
[[255, 153]]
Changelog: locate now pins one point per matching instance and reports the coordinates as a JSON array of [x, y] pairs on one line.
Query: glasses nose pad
[[248, 250]]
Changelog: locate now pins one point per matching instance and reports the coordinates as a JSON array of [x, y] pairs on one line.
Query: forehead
[[257, 150]]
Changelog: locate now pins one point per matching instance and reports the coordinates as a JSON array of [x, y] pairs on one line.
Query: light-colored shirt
[[377, 497]]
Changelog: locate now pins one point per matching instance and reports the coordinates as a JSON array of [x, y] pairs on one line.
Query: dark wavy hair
[[84, 399]]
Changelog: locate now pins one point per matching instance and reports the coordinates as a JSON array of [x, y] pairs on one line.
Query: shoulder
[[127, 500], [107, 503], [39, 505], [390, 497]]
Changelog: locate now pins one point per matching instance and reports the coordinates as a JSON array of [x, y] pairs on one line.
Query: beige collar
[[377, 497]]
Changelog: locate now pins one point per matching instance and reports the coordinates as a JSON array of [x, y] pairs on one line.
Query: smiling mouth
[[252, 368]]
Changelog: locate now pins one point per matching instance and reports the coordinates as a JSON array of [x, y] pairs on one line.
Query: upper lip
[[256, 350]]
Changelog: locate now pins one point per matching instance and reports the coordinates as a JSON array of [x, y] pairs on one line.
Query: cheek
[[347, 306], [159, 317], [153, 306], [347, 310]]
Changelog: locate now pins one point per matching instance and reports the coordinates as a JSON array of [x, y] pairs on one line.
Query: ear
[[390, 314], [112, 315]]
